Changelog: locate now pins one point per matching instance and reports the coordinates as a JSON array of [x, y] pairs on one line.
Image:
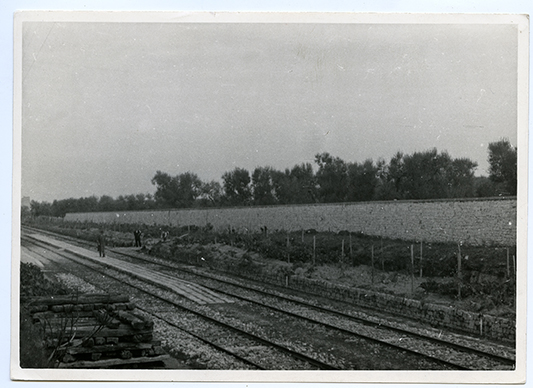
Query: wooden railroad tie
[[95, 330]]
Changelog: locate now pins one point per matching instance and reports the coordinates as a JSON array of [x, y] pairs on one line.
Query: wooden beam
[[113, 362], [78, 299]]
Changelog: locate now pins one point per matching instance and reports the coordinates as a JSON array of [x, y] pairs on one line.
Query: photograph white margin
[[492, 377]]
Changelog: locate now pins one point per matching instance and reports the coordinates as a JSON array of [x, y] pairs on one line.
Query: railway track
[[448, 354], [457, 354], [214, 332], [470, 357], [299, 350]]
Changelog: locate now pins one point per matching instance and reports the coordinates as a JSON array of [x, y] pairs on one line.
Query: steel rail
[[463, 348], [495, 357], [302, 357], [207, 341], [455, 346]]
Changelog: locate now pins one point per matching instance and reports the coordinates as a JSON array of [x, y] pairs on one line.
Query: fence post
[[412, 269], [508, 270], [459, 271], [351, 249], [372, 256], [381, 257], [342, 250], [421, 259], [314, 249], [288, 253]]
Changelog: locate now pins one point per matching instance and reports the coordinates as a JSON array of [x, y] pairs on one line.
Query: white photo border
[[492, 377]]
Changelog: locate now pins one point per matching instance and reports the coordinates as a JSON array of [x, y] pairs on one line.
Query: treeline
[[105, 203], [421, 175]]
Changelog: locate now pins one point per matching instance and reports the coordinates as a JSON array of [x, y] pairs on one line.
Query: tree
[[503, 165], [485, 187], [122, 203], [331, 178], [210, 194], [134, 202], [89, 204], [40, 208], [362, 181], [25, 213], [295, 185], [426, 175], [64, 206], [237, 187], [262, 186], [460, 178], [180, 191], [106, 204], [282, 186], [144, 201], [166, 189], [189, 188], [304, 183], [385, 188], [395, 174]]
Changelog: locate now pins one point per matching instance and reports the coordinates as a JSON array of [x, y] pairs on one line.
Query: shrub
[[33, 282]]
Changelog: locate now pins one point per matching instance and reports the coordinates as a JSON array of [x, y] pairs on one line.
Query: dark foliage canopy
[[503, 165], [421, 175]]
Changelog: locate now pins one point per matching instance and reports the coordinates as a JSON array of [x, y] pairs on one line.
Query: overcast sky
[[106, 105]]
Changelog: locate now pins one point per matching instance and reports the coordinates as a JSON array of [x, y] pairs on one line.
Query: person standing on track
[[100, 240]]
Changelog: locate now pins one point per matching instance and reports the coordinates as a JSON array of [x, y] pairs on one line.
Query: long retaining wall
[[471, 221]]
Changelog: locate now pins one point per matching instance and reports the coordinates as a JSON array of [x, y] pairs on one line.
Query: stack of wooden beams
[[95, 331]]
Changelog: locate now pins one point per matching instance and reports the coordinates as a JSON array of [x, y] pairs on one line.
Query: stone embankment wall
[[436, 315], [471, 221]]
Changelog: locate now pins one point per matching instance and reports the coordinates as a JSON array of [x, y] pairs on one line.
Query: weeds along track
[[251, 351], [336, 327]]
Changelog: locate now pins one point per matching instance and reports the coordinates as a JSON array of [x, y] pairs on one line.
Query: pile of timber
[[95, 331]]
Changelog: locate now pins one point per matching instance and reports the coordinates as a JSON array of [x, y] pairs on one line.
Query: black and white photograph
[[314, 197]]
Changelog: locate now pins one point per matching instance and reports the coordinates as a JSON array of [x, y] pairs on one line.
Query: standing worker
[[100, 240], [137, 234]]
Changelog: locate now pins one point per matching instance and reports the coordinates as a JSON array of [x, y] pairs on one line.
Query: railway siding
[[323, 288], [436, 315], [192, 291], [487, 221]]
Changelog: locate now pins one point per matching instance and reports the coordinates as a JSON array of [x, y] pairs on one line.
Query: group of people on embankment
[[137, 237]]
